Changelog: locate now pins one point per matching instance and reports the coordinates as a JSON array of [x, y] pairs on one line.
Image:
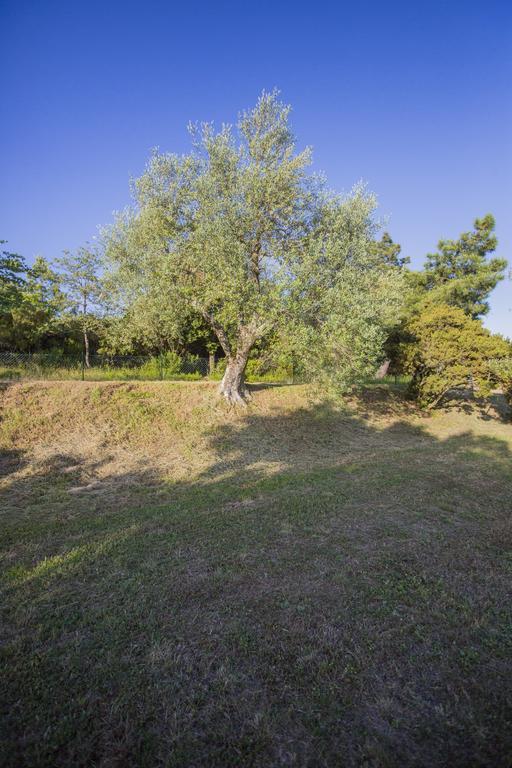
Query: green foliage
[[167, 365], [502, 370], [84, 296], [54, 365], [388, 252], [258, 369], [238, 234], [460, 274], [342, 301], [450, 351], [12, 269], [151, 326], [30, 301]]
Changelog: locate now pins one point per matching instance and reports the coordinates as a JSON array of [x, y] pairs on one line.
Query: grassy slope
[[298, 585]]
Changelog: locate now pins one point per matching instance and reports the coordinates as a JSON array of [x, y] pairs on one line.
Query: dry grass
[[302, 584]]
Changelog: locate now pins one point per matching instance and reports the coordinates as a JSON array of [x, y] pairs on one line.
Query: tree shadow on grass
[[11, 462], [495, 407], [326, 591]]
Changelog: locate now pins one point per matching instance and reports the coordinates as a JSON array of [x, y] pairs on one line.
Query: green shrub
[[256, 370], [450, 351], [502, 370], [220, 369], [259, 369]]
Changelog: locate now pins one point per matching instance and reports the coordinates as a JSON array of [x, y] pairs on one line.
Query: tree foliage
[[502, 370], [450, 351], [240, 234], [388, 252], [30, 301], [12, 269], [80, 277], [460, 274]]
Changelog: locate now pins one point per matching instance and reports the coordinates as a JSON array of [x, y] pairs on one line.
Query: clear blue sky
[[413, 97]]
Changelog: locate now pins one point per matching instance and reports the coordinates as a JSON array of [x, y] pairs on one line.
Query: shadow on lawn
[[326, 592]]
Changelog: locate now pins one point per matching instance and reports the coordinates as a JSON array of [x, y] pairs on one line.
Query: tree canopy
[[387, 251], [80, 277], [30, 301], [460, 274], [449, 350], [239, 233]]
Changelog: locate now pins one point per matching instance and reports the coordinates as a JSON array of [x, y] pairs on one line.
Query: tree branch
[[219, 332]]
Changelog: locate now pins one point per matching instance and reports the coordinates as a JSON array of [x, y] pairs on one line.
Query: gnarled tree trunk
[[232, 386]]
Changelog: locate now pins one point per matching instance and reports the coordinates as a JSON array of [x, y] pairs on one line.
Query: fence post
[[83, 365]]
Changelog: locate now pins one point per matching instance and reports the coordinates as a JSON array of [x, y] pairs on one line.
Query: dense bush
[[502, 370], [162, 366], [451, 351]]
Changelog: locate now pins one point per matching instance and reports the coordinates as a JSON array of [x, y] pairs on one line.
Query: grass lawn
[[302, 584]]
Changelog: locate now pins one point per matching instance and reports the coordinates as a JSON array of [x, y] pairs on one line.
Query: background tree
[[151, 325], [388, 252], [239, 233], [80, 278], [30, 302], [12, 270], [342, 298], [460, 274], [42, 301], [449, 351]]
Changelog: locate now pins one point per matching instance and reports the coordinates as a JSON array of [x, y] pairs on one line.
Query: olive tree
[[239, 232]]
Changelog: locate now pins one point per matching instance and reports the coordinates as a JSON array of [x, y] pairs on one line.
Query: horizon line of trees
[[65, 307], [235, 250]]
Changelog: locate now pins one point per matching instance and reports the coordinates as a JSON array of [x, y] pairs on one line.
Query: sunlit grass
[[184, 584]]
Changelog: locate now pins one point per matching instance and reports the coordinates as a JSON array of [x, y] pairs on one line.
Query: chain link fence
[[51, 366], [165, 367]]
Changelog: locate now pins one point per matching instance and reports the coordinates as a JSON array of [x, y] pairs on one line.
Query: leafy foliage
[[12, 267], [84, 294], [460, 274], [451, 351], [502, 370], [80, 277], [30, 301], [388, 252], [237, 233]]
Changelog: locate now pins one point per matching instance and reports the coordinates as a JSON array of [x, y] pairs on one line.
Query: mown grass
[[151, 372], [300, 585]]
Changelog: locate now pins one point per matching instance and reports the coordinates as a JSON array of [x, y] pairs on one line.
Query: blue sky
[[413, 97]]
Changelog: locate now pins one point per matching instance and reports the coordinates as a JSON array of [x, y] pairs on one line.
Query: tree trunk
[[383, 370], [86, 348], [232, 386]]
